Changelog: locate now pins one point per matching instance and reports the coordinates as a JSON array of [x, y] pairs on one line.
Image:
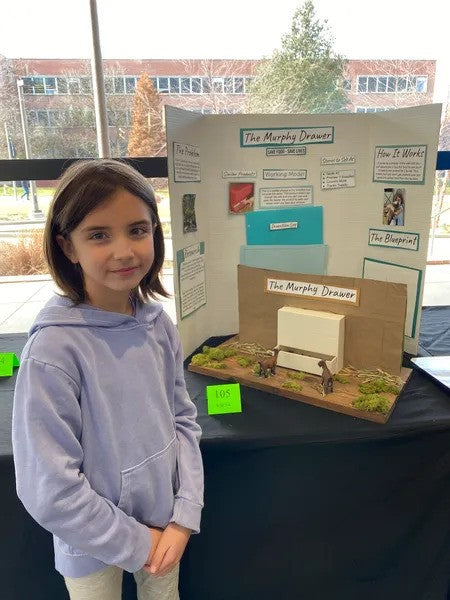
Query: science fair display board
[[338, 195]]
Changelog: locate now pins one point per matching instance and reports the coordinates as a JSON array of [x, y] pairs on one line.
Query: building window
[[421, 84], [196, 85], [109, 85], [401, 84], [206, 85], [74, 85], [174, 85], [130, 84], [383, 84], [228, 85], [372, 109], [86, 85], [33, 85], [62, 85], [217, 85], [238, 85], [391, 84], [372, 84], [185, 85], [163, 85], [119, 85]]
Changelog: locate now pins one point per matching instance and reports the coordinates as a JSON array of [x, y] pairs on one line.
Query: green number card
[[225, 398], [8, 360]]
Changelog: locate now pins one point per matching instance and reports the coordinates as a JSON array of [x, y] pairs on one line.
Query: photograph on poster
[[241, 197], [394, 204], [189, 219]]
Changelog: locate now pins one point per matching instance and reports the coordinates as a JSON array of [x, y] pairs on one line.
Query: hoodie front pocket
[[147, 492]]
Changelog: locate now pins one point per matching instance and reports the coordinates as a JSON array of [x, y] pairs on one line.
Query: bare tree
[[224, 84], [9, 112], [392, 83]]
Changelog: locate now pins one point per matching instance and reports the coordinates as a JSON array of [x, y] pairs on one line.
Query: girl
[[104, 433]]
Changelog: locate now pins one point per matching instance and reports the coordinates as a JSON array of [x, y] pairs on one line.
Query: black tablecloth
[[300, 503], [434, 336]]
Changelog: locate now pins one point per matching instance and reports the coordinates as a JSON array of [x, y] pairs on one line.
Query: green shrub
[[256, 369], [245, 361], [296, 375], [378, 385], [228, 352], [291, 385], [200, 360], [216, 354], [372, 403], [340, 378]]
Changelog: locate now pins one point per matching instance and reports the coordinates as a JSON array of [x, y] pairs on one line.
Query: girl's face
[[113, 245]]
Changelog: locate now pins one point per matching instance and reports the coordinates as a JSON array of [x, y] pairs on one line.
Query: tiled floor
[[21, 301]]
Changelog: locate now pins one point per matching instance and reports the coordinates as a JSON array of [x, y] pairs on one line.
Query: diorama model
[[311, 359]]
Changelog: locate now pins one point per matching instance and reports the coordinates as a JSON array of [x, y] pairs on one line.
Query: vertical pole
[[98, 86], [10, 156], [37, 213]]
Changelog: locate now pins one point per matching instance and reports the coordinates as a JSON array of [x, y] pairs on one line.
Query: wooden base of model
[[340, 400]]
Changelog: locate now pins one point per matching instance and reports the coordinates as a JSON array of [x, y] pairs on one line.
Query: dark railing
[[52, 168], [43, 168]]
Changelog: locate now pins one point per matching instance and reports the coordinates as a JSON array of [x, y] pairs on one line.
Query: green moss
[[228, 352], [340, 378], [245, 361], [206, 349], [216, 354], [372, 403], [256, 369], [200, 360], [291, 385], [378, 385], [296, 375]]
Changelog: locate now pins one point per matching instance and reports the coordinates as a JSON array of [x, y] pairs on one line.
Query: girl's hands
[[155, 536], [169, 549]]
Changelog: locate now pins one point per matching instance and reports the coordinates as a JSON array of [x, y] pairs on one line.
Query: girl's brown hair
[[83, 187]]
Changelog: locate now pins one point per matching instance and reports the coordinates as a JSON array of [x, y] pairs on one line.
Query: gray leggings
[[107, 585]]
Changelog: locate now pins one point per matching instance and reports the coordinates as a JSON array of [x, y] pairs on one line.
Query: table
[[300, 503]]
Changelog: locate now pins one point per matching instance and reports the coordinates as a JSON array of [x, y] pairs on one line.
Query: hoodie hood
[[60, 310]]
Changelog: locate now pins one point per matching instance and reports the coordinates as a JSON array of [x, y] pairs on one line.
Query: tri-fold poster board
[[334, 200]]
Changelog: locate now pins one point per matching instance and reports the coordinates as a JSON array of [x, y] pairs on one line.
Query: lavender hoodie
[[104, 434]]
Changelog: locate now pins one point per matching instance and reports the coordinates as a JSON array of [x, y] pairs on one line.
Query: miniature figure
[[267, 366], [327, 377]]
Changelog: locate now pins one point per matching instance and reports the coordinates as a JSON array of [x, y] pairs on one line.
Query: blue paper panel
[[309, 220], [311, 259]]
